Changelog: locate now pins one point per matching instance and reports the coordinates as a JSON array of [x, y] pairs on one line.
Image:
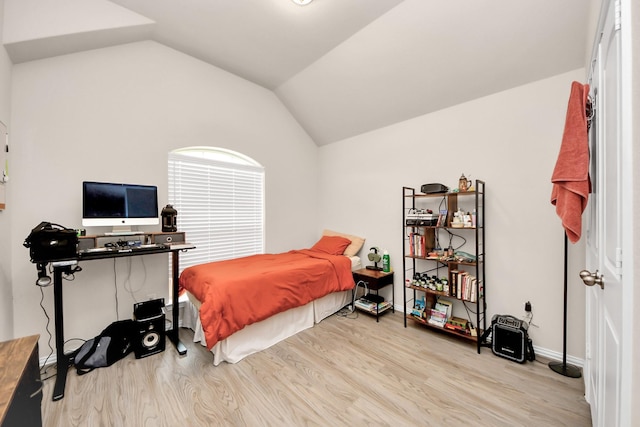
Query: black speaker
[[150, 328], [509, 338]]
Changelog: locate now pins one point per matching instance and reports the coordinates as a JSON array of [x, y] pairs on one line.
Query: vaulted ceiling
[[342, 67]]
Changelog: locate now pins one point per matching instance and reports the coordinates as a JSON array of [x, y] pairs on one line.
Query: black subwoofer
[[150, 328]]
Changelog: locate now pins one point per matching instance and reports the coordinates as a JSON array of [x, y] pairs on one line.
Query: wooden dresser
[[20, 386]]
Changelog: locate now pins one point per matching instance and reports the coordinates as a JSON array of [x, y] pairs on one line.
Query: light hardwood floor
[[343, 371]]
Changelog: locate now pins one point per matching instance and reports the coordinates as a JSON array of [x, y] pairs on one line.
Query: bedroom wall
[[113, 114], [6, 302], [511, 140]]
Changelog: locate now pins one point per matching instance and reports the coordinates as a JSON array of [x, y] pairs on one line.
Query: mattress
[[261, 335]]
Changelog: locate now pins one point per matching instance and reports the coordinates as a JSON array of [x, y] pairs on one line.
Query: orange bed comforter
[[239, 292]]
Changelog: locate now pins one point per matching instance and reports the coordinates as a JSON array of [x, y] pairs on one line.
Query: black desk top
[[87, 255], [106, 253]]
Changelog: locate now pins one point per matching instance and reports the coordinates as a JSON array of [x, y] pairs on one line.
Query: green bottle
[[386, 267]]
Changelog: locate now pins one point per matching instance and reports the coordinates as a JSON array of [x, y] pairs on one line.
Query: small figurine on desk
[[375, 258]]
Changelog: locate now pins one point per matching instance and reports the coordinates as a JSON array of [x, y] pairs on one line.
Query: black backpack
[[113, 344]]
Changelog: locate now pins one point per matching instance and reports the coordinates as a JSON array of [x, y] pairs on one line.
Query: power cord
[[44, 368], [346, 312]]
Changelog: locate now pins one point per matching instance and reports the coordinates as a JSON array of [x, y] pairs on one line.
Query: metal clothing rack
[[564, 368]]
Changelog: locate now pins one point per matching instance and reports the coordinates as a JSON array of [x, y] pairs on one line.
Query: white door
[[603, 376]]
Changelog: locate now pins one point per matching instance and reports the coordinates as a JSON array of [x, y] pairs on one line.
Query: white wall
[[510, 140], [113, 114], [6, 302]]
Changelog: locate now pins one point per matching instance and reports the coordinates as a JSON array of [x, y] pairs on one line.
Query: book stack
[[457, 324], [440, 313], [370, 306]]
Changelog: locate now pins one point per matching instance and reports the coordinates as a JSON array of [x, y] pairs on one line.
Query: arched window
[[219, 196]]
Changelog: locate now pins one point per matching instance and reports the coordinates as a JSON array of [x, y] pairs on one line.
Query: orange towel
[[571, 182]]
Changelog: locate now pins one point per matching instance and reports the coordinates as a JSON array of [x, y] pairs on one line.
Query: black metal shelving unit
[[413, 263]]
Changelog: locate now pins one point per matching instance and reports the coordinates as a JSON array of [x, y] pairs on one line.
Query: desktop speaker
[[150, 328], [168, 238], [86, 243]]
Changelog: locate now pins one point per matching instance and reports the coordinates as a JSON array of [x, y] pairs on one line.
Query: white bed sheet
[[261, 335]]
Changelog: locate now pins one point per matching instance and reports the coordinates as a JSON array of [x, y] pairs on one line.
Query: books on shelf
[[442, 218], [440, 313], [464, 286], [417, 245], [457, 324], [367, 305]]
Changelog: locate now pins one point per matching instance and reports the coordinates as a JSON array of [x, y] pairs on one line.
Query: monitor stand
[[122, 230]]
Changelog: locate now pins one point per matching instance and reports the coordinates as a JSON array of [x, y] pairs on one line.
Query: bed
[[242, 306]]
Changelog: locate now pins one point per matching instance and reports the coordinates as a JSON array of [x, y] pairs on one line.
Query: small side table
[[375, 280]]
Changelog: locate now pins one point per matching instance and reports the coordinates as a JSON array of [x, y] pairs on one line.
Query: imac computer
[[120, 206]]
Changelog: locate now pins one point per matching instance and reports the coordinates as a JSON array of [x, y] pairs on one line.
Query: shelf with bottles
[[459, 284]]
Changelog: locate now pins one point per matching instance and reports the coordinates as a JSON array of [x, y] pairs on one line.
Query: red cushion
[[332, 245]]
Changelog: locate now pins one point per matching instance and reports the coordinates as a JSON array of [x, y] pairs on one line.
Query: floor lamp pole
[[564, 368]]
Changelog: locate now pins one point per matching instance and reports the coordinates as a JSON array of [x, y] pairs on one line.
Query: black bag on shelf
[[113, 344], [50, 242]]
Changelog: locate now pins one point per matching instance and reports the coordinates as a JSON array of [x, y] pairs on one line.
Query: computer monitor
[[106, 204]]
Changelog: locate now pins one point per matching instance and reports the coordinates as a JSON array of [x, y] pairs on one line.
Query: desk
[[66, 266], [20, 385]]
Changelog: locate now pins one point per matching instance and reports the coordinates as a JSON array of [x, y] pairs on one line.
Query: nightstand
[[373, 281]]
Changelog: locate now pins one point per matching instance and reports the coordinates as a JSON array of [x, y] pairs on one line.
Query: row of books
[[417, 245], [464, 286]]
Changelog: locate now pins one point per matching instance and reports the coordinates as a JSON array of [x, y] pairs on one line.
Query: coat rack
[[589, 105]]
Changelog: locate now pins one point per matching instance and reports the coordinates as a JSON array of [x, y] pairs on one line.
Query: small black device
[[373, 298], [434, 188], [150, 328], [510, 338], [49, 242]]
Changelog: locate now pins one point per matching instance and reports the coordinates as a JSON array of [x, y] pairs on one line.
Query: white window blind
[[220, 207]]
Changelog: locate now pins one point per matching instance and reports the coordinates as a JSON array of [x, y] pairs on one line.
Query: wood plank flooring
[[344, 371]]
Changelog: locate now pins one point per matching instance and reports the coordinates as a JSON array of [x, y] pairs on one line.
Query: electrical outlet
[[527, 307]]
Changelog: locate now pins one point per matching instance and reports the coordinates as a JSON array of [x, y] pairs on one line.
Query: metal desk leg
[[174, 336], [62, 359]]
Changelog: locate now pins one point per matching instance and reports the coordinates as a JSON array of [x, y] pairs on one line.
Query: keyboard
[[149, 246], [139, 248]]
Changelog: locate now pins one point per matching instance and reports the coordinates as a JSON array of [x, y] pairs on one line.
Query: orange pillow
[[332, 245]]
